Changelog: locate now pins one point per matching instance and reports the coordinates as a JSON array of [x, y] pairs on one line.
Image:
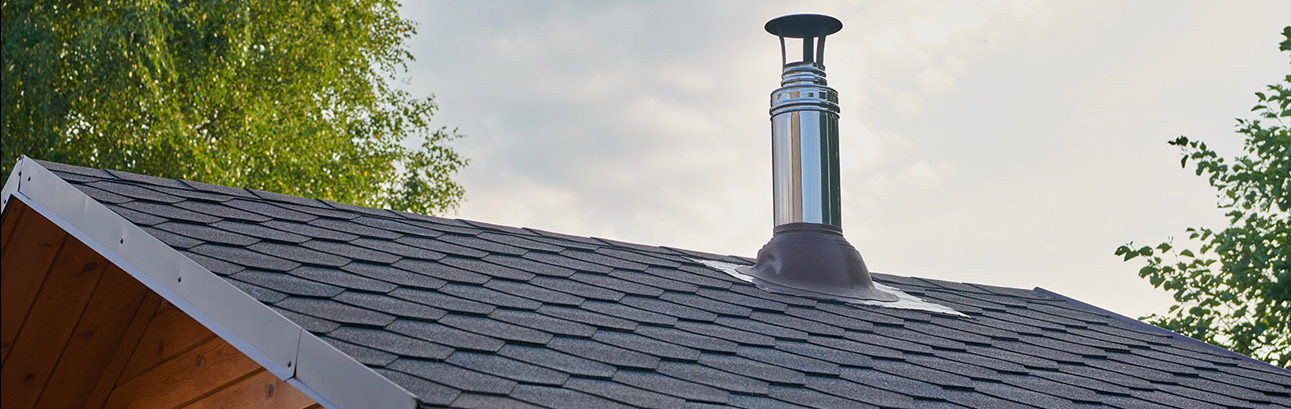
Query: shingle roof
[[469, 314]]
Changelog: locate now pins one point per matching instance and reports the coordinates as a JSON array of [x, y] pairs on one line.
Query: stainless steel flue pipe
[[804, 147], [804, 128]]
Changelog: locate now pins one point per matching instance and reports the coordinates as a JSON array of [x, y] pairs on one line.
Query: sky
[[1012, 143]]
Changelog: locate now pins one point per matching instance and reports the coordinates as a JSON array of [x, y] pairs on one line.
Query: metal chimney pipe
[[807, 254], [804, 135]]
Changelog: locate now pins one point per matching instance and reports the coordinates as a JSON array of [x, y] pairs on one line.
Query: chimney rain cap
[[804, 26]]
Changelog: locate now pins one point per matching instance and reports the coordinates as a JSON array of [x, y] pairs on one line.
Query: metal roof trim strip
[[317, 369], [11, 184]]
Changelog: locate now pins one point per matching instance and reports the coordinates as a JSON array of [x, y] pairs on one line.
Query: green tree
[[281, 95], [1233, 287]]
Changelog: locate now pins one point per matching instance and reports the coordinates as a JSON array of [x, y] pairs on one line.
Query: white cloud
[[924, 175], [934, 81], [908, 103]]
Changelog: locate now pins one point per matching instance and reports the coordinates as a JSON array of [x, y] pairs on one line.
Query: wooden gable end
[[77, 331]]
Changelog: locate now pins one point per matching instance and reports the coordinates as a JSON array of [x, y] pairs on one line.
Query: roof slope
[[469, 314]]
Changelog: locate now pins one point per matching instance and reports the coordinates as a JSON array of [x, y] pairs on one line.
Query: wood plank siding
[[78, 331]]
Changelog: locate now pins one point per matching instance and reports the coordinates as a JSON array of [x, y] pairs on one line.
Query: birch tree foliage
[[280, 95]]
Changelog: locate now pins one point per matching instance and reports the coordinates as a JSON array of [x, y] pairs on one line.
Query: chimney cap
[[804, 26]]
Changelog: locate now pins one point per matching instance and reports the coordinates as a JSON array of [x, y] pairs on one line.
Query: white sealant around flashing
[[904, 301]]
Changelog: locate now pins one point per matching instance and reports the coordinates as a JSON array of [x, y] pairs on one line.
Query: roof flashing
[[904, 300]]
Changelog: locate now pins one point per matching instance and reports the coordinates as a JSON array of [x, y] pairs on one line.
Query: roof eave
[[316, 368]]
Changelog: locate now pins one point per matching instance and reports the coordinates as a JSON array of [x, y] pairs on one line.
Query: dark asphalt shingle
[[335, 311], [139, 218], [714, 377], [342, 278], [350, 252], [515, 237], [401, 346], [274, 212], [558, 360], [428, 393], [496, 329], [654, 381], [309, 231], [552, 397], [470, 314], [453, 376], [171, 239], [348, 226], [603, 353], [311, 324], [222, 211], [625, 394], [135, 192], [390, 247], [534, 292], [220, 189], [502, 366], [261, 294], [441, 271], [288, 284], [300, 254], [568, 262], [446, 335], [443, 301], [543, 323], [396, 226], [587, 317], [259, 231], [748, 367], [388, 304], [479, 267], [104, 196], [486, 246], [169, 212], [244, 257], [688, 339], [393, 275], [440, 246], [576, 288], [647, 345]]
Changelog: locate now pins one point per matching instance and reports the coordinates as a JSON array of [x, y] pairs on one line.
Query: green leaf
[[1147, 270]]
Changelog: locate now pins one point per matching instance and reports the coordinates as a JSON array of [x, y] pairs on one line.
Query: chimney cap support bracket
[[811, 28]]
